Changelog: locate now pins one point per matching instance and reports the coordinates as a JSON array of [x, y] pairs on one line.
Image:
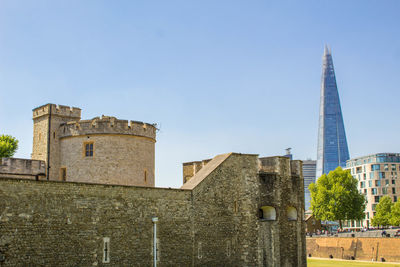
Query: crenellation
[[16, 166], [108, 125], [57, 110]]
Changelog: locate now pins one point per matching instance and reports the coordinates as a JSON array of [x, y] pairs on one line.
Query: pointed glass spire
[[332, 144]]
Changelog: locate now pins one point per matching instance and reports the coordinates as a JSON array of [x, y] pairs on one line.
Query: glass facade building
[[332, 144], [309, 167]]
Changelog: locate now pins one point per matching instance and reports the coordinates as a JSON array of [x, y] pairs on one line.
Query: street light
[[155, 221]]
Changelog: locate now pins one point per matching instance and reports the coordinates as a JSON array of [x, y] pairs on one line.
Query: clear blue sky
[[217, 76]]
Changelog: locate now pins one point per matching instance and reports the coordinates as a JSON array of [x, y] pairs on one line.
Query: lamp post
[[154, 220]]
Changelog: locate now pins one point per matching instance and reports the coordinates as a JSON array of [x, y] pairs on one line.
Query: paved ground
[[322, 262]]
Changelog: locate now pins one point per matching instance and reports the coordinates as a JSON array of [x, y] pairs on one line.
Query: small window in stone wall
[[106, 250], [145, 176], [292, 214], [88, 149], [268, 213], [228, 248], [199, 251], [63, 174]]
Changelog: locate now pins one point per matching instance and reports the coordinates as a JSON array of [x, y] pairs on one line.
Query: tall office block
[[332, 145], [309, 167]]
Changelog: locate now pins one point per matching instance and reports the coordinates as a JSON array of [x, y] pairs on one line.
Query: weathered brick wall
[[281, 186], [225, 215], [363, 248], [63, 224], [117, 159], [215, 223]]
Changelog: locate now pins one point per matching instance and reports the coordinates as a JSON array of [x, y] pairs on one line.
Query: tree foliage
[[382, 216], [395, 217], [8, 146], [335, 197]]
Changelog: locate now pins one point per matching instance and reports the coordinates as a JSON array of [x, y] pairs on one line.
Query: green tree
[[395, 218], [382, 215], [8, 146], [335, 197]]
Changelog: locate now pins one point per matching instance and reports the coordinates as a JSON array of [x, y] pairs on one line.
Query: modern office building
[[309, 167], [377, 177], [332, 145]]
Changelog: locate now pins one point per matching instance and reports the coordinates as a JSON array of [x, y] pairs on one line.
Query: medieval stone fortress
[[87, 198]]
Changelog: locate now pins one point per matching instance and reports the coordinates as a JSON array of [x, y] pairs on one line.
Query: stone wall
[[117, 159], [22, 168], [191, 168], [215, 221], [45, 223], [363, 248]]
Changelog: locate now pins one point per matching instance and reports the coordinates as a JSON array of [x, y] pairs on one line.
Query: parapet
[[280, 165], [107, 125], [57, 110], [191, 168], [26, 167]]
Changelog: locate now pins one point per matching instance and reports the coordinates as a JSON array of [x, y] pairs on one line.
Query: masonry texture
[[216, 219]]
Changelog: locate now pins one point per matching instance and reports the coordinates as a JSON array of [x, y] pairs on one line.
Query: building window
[[376, 198], [386, 167], [371, 175], [393, 167], [384, 190], [89, 149], [268, 213], [373, 191], [106, 250], [393, 181], [394, 198], [145, 176], [386, 182], [393, 190], [375, 167], [381, 175], [63, 174], [370, 183], [199, 251], [377, 183], [292, 213]]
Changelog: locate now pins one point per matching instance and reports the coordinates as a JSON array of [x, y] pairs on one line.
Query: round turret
[[107, 150]]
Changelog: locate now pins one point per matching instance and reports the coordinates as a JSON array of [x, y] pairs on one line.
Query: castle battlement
[[280, 165], [57, 110], [15, 166], [107, 125]]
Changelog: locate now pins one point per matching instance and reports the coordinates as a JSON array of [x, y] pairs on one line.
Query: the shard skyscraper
[[332, 145]]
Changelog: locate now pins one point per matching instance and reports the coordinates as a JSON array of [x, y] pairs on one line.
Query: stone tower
[[102, 150], [46, 123]]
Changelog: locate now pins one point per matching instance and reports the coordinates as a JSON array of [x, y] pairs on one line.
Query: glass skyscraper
[[309, 177], [332, 145]]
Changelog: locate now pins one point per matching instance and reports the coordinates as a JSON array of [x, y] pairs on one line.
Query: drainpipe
[[155, 220], [48, 143]]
